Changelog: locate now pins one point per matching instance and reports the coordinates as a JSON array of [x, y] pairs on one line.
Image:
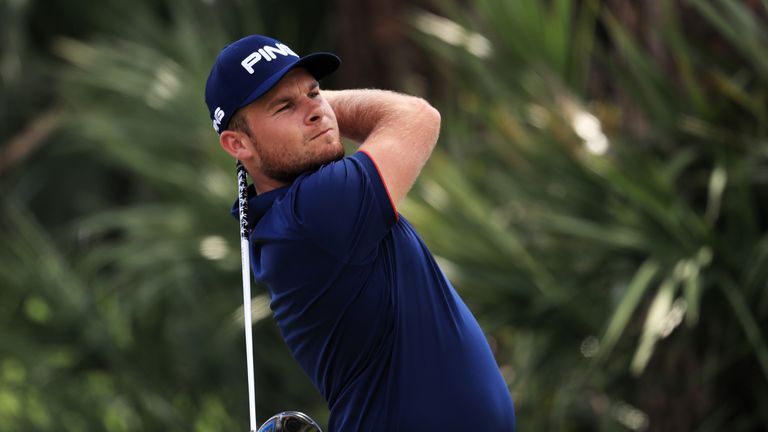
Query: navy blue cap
[[250, 67]]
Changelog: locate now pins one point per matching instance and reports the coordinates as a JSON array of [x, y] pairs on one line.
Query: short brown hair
[[238, 123]]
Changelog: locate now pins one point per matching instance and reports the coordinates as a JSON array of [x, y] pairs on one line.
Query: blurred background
[[599, 197]]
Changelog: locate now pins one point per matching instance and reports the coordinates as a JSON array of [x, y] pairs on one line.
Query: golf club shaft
[[242, 185]]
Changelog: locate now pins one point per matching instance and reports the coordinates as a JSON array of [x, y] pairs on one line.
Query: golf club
[[286, 421], [290, 421], [242, 189]]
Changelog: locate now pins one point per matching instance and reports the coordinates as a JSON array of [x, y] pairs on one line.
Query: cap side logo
[[218, 115], [267, 52]]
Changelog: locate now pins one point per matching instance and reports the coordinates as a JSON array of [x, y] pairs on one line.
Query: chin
[[332, 155], [335, 153], [288, 174]]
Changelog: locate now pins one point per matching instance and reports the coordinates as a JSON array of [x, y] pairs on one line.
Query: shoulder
[[350, 184], [343, 206]]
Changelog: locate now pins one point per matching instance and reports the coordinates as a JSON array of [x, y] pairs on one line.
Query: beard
[[286, 168]]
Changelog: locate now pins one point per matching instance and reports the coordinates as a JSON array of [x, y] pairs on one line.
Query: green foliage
[[598, 196], [592, 195], [120, 268]]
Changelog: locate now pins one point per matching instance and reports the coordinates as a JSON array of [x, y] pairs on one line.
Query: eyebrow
[[283, 99]]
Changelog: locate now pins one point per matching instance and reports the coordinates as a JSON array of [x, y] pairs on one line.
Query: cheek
[[330, 113], [277, 134]]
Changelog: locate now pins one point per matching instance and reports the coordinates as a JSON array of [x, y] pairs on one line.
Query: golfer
[[359, 299]]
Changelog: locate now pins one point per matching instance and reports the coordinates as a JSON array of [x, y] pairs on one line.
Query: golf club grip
[[242, 199]]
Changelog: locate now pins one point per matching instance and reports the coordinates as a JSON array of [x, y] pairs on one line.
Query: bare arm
[[398, 132]]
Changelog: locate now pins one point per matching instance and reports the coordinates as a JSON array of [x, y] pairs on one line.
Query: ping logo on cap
[[267, 52], [218, 115]]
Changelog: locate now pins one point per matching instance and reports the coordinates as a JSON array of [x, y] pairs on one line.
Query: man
[[360, 301]]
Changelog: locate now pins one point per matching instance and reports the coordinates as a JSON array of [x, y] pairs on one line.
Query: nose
[[314, 111]]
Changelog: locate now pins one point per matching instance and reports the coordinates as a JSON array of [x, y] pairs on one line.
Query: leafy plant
[[120, 265], [592, 195]]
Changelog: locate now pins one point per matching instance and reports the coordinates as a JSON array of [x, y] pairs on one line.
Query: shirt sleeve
[[345, 207]]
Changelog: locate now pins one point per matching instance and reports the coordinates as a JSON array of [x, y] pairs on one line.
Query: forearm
[[361, 112], [397, 131]]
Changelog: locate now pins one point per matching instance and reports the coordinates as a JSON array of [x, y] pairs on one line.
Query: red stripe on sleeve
[[391, 202]]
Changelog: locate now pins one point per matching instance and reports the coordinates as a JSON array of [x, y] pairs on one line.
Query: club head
[[290, 421]]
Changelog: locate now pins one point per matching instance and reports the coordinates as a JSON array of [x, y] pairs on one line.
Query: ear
[[237, 144]]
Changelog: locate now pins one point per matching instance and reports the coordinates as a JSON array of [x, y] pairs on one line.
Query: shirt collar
[[258, 204]]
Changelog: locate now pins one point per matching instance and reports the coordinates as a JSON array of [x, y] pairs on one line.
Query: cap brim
[[319, 65]]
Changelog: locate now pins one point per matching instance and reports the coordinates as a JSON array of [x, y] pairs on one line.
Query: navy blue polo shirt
[[367, 312]]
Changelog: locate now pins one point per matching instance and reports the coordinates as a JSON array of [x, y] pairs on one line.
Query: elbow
[[430, 113], [435, 118], [430, 118]]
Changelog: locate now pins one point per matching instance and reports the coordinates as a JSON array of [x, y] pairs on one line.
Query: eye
[[283, 107], [313, 94]]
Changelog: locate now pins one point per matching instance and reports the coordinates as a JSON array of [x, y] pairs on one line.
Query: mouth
[[325, 131]]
